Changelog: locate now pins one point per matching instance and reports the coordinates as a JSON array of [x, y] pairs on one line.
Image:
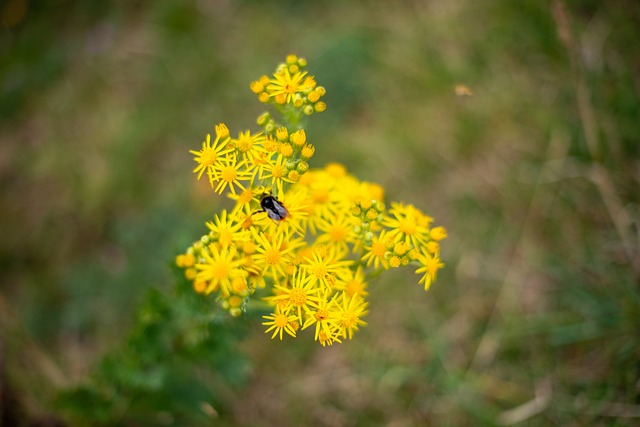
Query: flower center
[[278, 171], [290, 88], [320, 271], [321, 195], [245, 143], [353, 288], [208, 157], [272, 257], [245, 197], [229, 174], [280, 320], [219, 269], [298, 297], [378, 249], [321, 315], [349, 320]]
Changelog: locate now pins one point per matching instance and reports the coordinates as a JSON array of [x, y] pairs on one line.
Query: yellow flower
[[300, 298], [376, 251], [322, 264], [210, 156], [250, 146], [273, 254], [407, 222], [350, 313], [338, 231], [438, 233], [430, 265], [285, 85], [325, 217], [279, 323], [299, 138], [353, 283], [217, 268], [276, 172], [226, 231], [325, 318], [230, 174]]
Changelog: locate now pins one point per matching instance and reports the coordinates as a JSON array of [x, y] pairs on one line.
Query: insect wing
[[279, 212]]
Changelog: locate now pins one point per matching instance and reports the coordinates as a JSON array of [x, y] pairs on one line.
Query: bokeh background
[[532, 165]]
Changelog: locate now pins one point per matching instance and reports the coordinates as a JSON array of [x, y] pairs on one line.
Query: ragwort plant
[[305, 241]]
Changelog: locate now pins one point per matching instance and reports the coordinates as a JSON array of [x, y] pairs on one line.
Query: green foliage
[[179, 358]]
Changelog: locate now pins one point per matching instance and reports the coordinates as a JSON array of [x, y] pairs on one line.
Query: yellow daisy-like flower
[[430, 266], [298, 299], [276, 172], [351, 311], [218, 268], [279, 323], [353, 283], [231, 174], [322, 266], [438, 233], [272, 255], [325, 318], [249, 146], [210, 156], [376, 251], [337, 231], [407, 222], [226, 229], [285, 85]]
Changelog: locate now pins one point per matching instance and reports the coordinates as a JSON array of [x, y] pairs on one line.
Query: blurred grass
[[536, 317]]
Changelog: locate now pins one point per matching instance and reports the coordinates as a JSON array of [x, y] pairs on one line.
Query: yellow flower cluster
[[309, 240], [291, 90]]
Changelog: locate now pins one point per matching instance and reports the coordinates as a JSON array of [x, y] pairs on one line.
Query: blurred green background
[[534, 321]]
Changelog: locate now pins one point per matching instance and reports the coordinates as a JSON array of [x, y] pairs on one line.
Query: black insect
[[273, 207]]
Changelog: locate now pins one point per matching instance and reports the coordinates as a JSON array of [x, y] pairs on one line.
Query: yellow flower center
[[378, 249], [229, 174], [298, 297], [200, 286], [272, 257], [321, 195], [278, 171], [245, 143], [349, 320], [338, 233], [245, 196], [208, 156], [432, 266], [219, 269], [353, 288], [290, 88], [319, 271], [321, 315], [293, 176], [286, 150], [280, 320]]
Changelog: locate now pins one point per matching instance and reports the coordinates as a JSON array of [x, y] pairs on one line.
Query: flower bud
[[299, 137], [302, 167]]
